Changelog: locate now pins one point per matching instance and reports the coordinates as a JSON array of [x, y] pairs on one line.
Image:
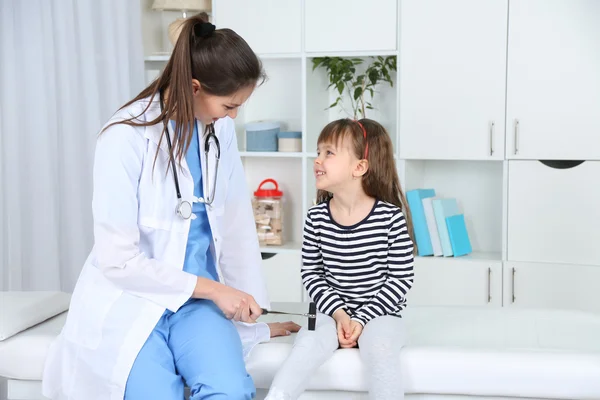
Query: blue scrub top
[[198, 257]]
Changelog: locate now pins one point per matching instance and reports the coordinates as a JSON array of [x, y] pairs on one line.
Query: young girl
[[357, 261]]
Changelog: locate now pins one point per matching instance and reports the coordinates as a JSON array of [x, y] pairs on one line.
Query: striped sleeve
[[399, 274], [313, 272]]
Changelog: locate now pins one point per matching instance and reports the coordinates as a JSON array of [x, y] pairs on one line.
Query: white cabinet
[[269, 26], [282, 275], [553, 93], [559, 286], [452, 79], [350, 25], [454, 282], [554, 214]]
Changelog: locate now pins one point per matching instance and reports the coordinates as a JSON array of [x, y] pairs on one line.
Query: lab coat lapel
[[154, 132]]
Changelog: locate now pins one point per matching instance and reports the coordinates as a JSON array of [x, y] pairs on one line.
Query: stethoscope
[[184, 207]]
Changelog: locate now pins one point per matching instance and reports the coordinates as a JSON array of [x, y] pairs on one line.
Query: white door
[[553, 213], [350, 25], [559, 286], [553, 86], [282, 275], [452, 79], [456, 282], [269, 26]]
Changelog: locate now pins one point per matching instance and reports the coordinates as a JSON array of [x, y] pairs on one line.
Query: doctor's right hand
[[235, 304]]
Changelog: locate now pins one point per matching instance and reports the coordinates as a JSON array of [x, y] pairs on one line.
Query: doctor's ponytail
[[219, 59]]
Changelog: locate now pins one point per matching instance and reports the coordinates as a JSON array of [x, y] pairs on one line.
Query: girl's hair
[[219, 59], [381, 179]]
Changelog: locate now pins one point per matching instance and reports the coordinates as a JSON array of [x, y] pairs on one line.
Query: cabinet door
[[452, 79], [453, 282], [350, 25], [553, 93], [269, 26], [553, 213], [282, 275], [559, 286]]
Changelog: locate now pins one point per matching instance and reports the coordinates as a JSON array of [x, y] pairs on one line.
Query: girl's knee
[[323, 339]]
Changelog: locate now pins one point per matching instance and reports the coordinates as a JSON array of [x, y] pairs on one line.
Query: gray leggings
[[379, 344]]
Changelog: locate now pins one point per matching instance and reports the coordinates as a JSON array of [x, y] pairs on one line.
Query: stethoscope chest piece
[[184, 209]]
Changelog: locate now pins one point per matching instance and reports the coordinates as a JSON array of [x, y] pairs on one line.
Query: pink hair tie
[[365, 136]]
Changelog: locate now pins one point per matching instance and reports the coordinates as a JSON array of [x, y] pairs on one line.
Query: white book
[[436, 243]]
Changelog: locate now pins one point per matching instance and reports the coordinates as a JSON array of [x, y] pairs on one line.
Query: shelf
[[270, 154], [268, 56], [165, 57], [475, 256], [353, 53], [158, 57], [292, 247], [477, 187]]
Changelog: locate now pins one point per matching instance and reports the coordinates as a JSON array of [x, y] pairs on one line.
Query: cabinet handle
[[516, 136], [492, 125], [489, 285], [513, 284]]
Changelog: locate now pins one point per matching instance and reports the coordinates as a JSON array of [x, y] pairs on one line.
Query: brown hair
[[381, 179], [219, 59]]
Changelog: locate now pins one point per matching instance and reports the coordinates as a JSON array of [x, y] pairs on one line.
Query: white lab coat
[[135, 269]]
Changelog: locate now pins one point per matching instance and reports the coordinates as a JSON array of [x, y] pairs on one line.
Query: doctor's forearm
[[205, 289]]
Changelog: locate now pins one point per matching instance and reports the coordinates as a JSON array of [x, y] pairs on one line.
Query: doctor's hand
[[234, 303]]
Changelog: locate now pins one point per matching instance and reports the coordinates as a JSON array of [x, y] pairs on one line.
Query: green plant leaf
[[357, 93], [373, 76], [340, 87]]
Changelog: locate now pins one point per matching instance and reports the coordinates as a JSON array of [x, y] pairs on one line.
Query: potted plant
[[343, 76]]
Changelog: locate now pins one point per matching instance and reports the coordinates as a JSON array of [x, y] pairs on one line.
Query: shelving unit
[[447, 117]]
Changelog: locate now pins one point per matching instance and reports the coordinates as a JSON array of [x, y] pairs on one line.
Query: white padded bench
[[452, 354]]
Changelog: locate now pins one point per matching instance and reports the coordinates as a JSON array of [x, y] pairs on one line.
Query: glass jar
[[268, 214]]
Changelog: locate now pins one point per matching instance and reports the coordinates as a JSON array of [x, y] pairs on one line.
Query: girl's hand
[[234, 303], [342, 320], [356, 329], [283, 328]]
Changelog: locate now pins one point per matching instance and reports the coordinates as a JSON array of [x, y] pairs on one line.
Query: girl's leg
[[208, 353], [311, 349], [380, 344], [153, 374]]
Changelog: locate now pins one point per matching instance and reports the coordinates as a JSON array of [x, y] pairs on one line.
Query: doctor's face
[[208, 108]]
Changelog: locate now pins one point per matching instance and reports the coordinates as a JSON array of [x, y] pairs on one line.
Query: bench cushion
[[469, 351], [22, 310], [461, 351], [22, 356]]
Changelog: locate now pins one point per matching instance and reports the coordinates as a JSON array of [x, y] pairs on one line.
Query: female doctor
[[171, 290]]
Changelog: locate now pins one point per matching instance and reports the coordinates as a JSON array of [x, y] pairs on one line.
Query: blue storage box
[[262, 136]]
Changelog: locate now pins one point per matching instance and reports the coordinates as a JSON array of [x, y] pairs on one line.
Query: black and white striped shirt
[[367, 268]]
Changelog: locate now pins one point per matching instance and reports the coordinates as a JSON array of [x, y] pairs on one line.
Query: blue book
[[415, 202], [459, 238], [444, 208]]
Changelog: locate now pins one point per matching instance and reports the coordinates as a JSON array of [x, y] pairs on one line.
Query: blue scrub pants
[[197, 345]]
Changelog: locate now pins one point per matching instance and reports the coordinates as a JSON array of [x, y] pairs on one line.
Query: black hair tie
[[203, 29]]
